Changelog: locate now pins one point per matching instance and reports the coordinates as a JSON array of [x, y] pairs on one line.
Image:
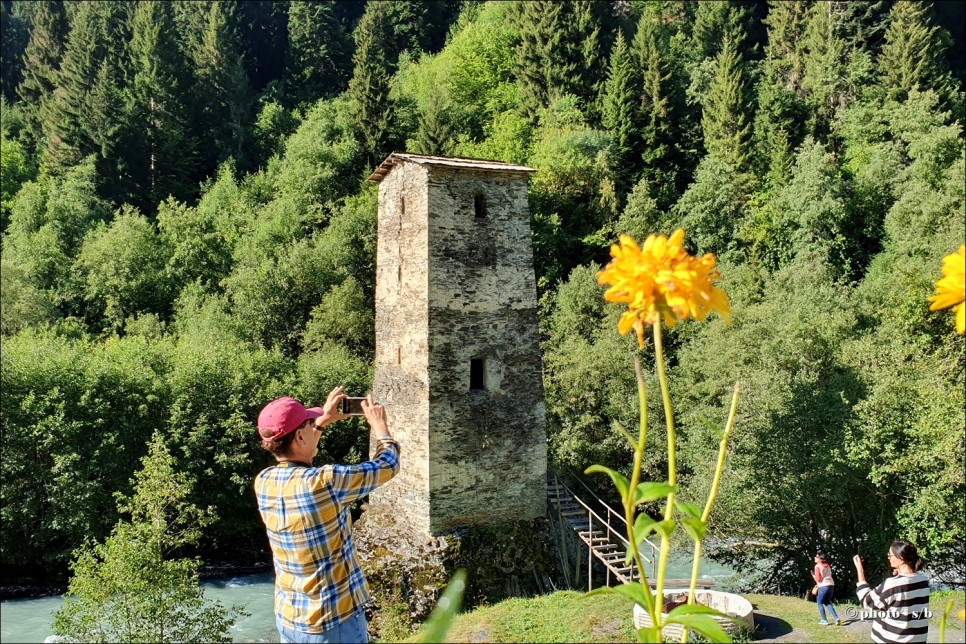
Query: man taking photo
[[320, 591]]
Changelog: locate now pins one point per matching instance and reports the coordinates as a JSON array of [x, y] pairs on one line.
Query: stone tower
[[457, 361]]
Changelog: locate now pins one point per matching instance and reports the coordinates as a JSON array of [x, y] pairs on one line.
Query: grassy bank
[[565, 617]]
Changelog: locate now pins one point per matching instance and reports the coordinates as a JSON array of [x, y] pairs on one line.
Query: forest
[[187, 233]]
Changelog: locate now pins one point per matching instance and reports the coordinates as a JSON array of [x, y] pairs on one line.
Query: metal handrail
[[606, 523], [654, 548]]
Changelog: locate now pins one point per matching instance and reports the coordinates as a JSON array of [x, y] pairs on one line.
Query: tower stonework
[[457, 361]]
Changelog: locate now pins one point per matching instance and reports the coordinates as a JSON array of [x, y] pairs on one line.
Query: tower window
[[479, 206], [402, 206], [477, 379]]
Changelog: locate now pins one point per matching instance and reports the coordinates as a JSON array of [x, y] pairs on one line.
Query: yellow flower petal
[[951, 287], [659, 280]]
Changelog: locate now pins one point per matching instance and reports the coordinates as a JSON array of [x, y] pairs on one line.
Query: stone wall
[[402, 341], [454, 287]]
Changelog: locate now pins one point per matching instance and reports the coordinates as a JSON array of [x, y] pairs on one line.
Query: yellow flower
[[661, 280], [951, 289]]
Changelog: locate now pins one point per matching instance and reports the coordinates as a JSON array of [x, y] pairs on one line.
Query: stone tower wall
[[402, 345], [488, 458], [451, 288]]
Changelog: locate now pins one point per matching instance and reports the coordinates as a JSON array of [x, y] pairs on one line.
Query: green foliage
[[789, 468], [48, 29], [121, 266], [621, 110], [76, 417], [713, 206], [16, 168], [912, 54], [343, 316], [259, 282], [22, 304], [128, 589], [318, 50], [724, 116], [369, 88]]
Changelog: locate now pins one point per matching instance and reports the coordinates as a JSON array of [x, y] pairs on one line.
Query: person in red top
[[822, 574]]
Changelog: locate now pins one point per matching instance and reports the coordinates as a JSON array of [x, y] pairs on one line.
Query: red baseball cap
[[283, 416]]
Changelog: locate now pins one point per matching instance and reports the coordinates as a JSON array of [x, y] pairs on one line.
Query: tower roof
[[451, 162]]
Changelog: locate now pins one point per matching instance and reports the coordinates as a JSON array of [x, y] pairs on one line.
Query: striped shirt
[[318, 581], [900, 607]]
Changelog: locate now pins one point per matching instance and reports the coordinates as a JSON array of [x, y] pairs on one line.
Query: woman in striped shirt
[[900, 604]]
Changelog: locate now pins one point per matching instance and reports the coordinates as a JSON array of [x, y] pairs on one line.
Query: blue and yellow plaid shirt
[[318, 581]]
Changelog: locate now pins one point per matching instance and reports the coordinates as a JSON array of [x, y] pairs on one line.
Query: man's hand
[[330, 410], [376, 417]]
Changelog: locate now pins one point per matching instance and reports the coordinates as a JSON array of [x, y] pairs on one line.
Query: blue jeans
[[823, 599], [352, 629]]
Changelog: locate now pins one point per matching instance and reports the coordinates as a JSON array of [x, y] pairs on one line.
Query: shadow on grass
[[769, 627]]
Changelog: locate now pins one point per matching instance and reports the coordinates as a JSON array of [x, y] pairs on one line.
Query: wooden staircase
[[604, 532]]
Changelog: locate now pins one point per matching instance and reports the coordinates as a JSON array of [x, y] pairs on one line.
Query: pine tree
[[369, 87], [545, 60], [162, 152], [826, 60], [912, 55], [657, 108], [780, 113], [784, 51], [591, 63], [864, 23], [317, 51], [263, 36], [41, 59], [655, 104], [86, 89], [407, 23], [621, 112], [716, 22], [14, 35], [436, 133], [220, 94], [724, 114]]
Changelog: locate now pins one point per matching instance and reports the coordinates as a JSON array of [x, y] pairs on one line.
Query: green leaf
[[704, 624], [643, 526], [650, 491], [688, 509], [699, 618], [626, 434], [447, 607], [620, 481], [694, 527], [715, 429], [649, 634]]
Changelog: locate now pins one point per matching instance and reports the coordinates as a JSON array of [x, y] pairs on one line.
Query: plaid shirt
[[318, 581]]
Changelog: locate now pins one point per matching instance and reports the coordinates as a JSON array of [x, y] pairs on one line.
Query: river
[[28, 620]]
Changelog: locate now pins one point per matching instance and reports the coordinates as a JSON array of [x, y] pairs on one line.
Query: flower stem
[[719, 466], [671, 462], [629, 504]]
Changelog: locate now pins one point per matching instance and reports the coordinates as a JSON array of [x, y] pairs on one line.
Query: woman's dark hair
[[908, 554], [821, 557]]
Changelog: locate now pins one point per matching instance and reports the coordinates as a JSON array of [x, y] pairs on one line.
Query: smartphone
[[351, 406]]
